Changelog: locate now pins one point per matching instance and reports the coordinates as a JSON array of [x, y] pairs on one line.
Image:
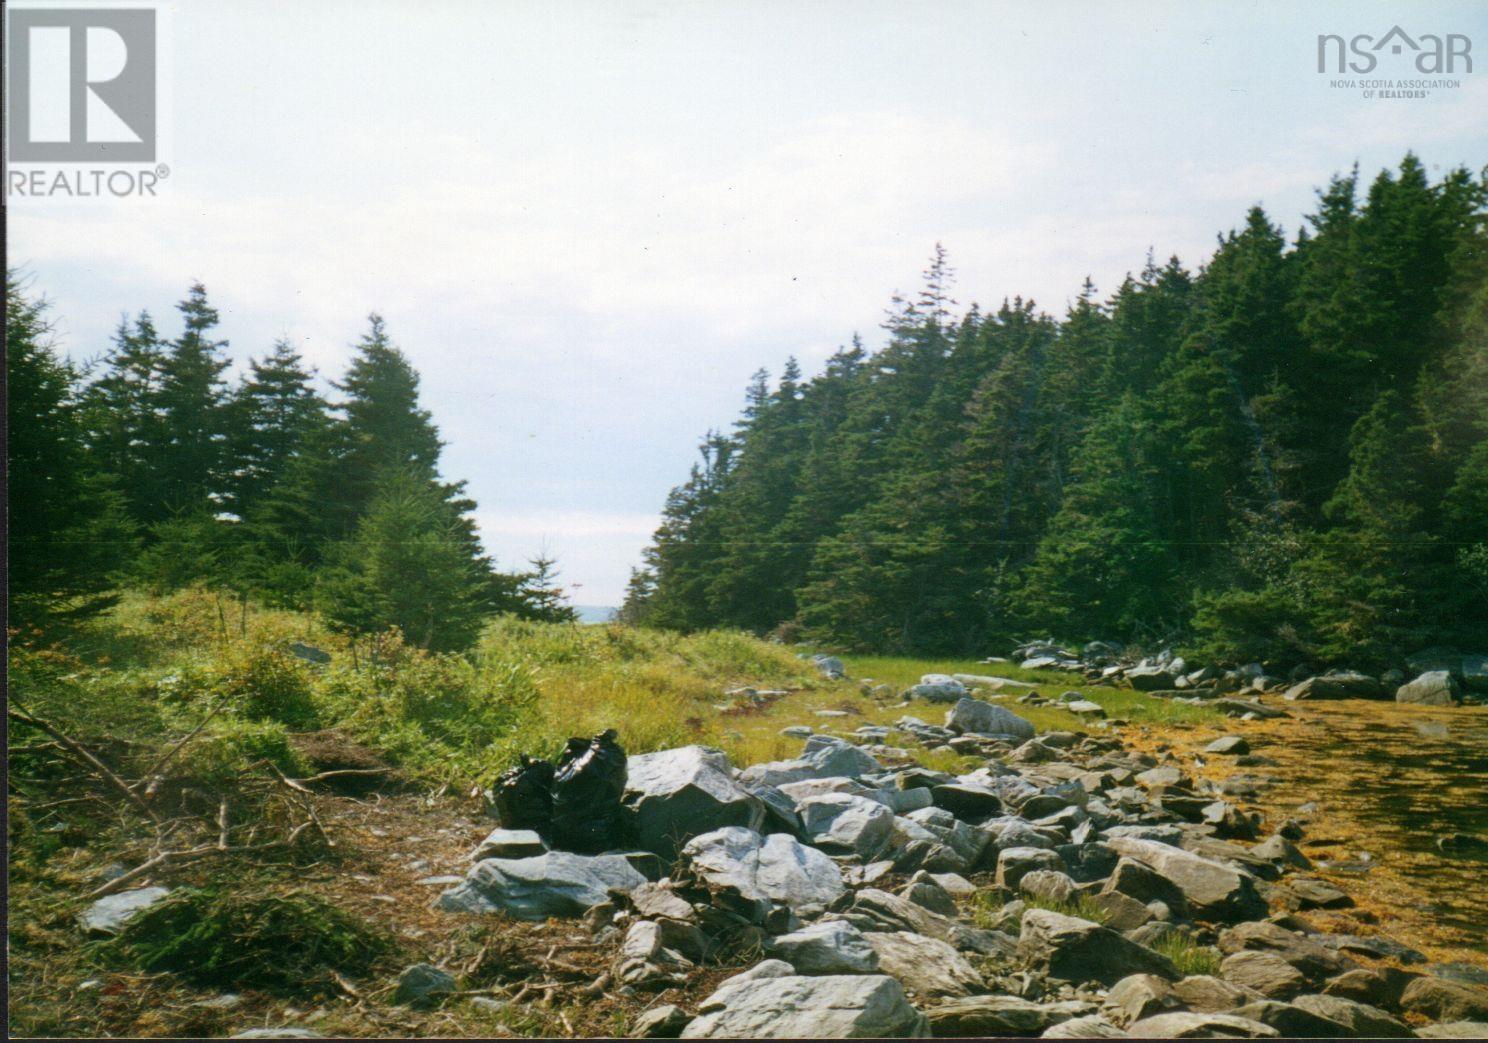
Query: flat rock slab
[[558, 883], [1180, 1025], [509, 843], [982, 718], [1001, 1016], [857, 1006], [109, 915], [826, 947]]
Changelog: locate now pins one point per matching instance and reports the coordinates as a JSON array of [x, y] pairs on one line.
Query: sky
[[587, 224]]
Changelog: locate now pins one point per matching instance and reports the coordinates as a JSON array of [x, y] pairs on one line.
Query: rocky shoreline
[[1069, 887]]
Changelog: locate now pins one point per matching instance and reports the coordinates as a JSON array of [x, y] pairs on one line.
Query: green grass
[[1189, 957], [154, 667], [1080, 906]]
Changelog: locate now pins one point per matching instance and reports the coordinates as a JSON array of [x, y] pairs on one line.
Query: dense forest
[[1281, 456], [150, 468]]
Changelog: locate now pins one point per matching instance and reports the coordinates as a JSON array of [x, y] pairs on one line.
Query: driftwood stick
[[76, 749]]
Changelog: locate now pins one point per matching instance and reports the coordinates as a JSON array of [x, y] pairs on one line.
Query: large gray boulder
[[844, 823], [843, 1006], [983, 718], [1443, 1000], [829, 666], [826, 947], [677, 794], [923, 965], [1075, 950], [1151, 678], [833, 756], [764, 870], [1210, 889], [558, 883], [1434, 688]]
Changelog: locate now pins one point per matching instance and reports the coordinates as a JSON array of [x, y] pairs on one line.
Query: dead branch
[[189, 854], [180, 744], [222, 824], [76, 749]]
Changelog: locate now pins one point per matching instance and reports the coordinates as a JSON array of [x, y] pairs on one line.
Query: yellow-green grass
[[152, 667]]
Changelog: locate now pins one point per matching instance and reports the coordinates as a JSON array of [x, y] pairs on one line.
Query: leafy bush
[[230, 744], [286, 945], [268, 684], [1189, 957]]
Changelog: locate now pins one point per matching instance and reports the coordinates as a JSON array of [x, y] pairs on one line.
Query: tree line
[[1280, 456], [149, 467]]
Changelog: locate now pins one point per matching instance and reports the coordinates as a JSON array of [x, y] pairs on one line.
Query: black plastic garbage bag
[[523, 796], [587, 787]]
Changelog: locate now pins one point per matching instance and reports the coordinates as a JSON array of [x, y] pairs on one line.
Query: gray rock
[[1138, 996], [1359, 1019], [826, 947], [309, 653], [422, 985], [509, 843], [664, 1022], [1340, 684], [1229, 746], [1180, 1025], [109, 915], [1014, 863], [1123, 913], [924, 966], [1265, 972], [1049, 884], [1150, 678], [972, 803], [1076, 950], [1210, 995], [1000, 1016], [558, 883], [846, 824], [833, 756], [1091, 1026], [1434, 688], [937, 688], [284, 1032], [983, 718], [677, 794], [659, 950], [830, 666], [876, 910], [1211, 890], [831, 1007], [1291, 1021], [930, 895], [1314, 961], [1443, 1000], [777, 868]]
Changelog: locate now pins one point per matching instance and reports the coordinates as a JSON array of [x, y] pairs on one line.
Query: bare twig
[[83, 754], [222, 825]]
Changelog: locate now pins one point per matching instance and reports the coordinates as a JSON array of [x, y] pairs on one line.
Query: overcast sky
[[587, 224]]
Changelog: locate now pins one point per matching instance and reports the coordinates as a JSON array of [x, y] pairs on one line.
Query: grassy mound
[[288, 945]]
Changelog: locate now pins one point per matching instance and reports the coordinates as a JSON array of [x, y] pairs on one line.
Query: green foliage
[[287, 945], [68, 532], [1277, 458], [1081, 906]]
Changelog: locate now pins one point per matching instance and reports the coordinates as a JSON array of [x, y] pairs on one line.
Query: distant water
[[595, 613]]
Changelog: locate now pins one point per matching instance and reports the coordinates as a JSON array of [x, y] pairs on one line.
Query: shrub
[[1188, 956], [286, 945], [230, 744], [264, 683]]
